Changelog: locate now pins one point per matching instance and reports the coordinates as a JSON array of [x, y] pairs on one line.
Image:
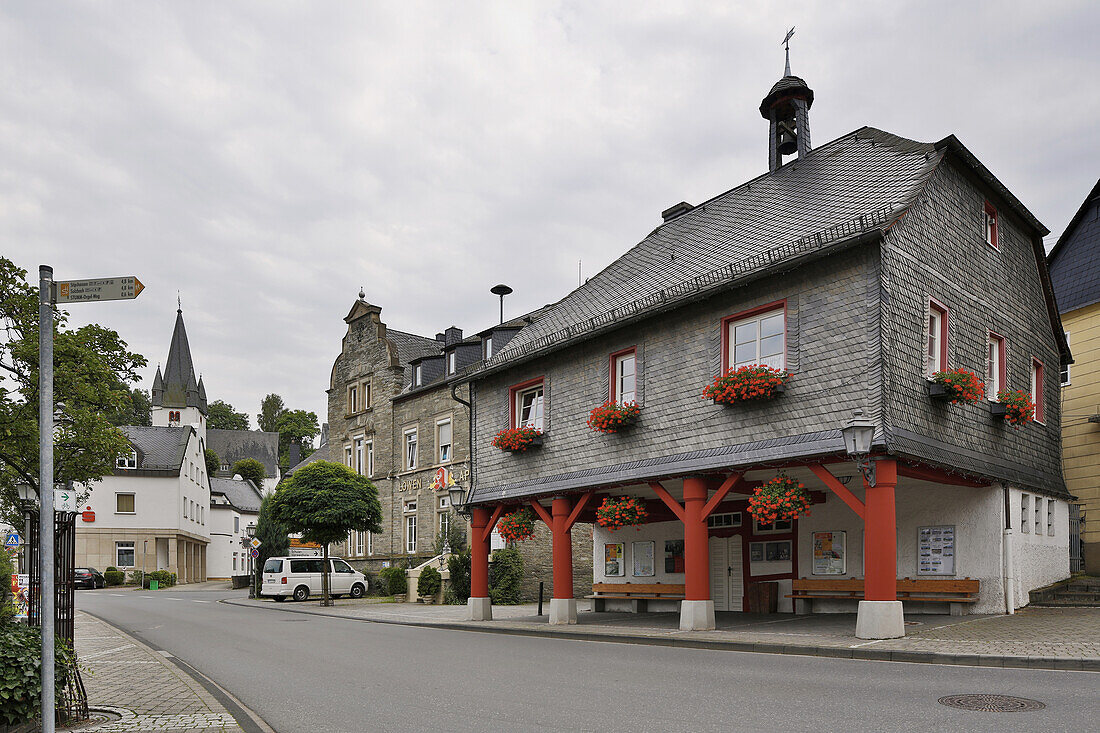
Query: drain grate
[[96, 717], [992, 703]]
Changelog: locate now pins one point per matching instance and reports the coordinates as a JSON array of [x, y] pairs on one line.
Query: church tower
[[178, 400], [787, 109]]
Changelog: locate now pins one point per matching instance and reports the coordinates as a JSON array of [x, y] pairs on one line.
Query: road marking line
[[194, 601], [866, 643], [165, 653], [120, 595]]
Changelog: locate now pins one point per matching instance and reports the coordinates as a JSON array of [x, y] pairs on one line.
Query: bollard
[[541, 585]]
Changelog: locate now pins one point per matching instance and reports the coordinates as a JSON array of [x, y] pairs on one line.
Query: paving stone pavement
[[1035, 636], [145, 689]]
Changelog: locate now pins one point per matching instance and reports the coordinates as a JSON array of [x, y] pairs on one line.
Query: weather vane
[[787, 48], [179, 303]]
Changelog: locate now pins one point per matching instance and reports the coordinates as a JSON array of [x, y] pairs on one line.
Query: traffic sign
[[64, 500], [126, 287], [255, 542], [12, 540], [254, 553]]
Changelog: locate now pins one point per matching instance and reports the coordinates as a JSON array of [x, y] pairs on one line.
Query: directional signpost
[[64, 500], [50, 292]]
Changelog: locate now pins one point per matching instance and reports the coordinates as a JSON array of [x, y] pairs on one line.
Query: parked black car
[[88, 578]]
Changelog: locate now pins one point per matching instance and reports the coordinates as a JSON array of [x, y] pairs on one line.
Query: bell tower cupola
[[787, 109]]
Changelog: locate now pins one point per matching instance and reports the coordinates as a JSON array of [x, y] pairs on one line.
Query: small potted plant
[[611, 416], [517, 526], [746, 384], [956, 385], [1014, 405], [517, 440], [781, 498], [621, 511]]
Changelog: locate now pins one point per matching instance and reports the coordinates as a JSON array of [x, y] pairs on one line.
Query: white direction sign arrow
[[64, 500], [126, 287]]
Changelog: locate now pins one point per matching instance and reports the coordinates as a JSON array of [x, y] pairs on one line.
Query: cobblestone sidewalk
[[146, 690], [1050, 638]]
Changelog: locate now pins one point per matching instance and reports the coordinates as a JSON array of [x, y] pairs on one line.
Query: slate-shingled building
[[861, 267]]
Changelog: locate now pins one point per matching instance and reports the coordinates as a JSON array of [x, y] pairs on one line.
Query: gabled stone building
[[861, 267]]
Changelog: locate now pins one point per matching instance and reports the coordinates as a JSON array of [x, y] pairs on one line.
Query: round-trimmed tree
[[323, 501]]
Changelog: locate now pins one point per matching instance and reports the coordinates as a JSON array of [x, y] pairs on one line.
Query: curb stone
[[863, 653]]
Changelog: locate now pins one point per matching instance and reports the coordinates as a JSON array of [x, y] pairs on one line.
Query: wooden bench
[[639, 594], [957, 592]]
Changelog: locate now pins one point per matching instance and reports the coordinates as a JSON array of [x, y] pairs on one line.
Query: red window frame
[[1038, 372], [1002, 361], [514, 391], [776, 305], [614, 377], [996, 234], [945, 330]]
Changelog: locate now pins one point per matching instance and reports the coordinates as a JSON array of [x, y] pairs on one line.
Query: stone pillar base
[[696, 615], [563, 610], [880, 620], [481, 609]]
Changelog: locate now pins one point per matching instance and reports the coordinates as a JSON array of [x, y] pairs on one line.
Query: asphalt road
[[307, 673]]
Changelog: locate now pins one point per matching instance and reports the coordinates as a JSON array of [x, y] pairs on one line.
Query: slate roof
[[851, 185], [410, 346], [242, 494], [178, 387], [161, 448], [234, 445], [1075, 259]]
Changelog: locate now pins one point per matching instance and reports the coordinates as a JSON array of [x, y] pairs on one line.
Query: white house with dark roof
[[234, 504]]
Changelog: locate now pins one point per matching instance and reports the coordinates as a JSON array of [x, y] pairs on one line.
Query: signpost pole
[[45, 492]]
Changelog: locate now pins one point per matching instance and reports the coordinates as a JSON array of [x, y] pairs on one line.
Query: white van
[[301, 576]]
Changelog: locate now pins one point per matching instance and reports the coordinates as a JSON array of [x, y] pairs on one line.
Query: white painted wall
[[658, 532], [225, 541], [1039, 558]]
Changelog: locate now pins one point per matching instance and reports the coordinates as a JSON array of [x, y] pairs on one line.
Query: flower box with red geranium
[[956, 385], [517, 526], [617, 512], [611, 417], [782, 498], [746, 384], [518, 440], [1014, 405]]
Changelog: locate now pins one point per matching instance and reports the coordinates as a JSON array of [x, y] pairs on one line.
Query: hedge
[[394, 578], [20, 680]]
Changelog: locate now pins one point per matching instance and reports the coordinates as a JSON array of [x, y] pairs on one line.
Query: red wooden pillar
[[563, 547], [481, 527], [696, 542], [563, 515], [881, 563]]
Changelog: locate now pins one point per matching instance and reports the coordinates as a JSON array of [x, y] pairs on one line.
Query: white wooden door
[[719, 573], [727, 585]]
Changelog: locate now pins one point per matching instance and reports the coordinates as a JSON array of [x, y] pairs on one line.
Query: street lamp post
[[254, 591]]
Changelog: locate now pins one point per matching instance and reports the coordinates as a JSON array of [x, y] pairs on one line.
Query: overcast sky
[[267, 159]]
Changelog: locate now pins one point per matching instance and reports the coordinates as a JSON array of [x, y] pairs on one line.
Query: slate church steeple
[[178, 399], [787, 109]]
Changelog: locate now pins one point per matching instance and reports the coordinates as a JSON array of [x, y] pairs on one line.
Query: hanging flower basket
[[611, 417], [747, 383], [1015, 406], [621, 511], [957, 385], [517, 526], [518, 439], [780, 499]]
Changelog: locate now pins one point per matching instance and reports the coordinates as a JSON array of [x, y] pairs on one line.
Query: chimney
[[452, 335], [295, 453], [439, 337], [676, 210]]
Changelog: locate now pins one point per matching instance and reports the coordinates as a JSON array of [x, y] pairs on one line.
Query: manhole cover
[[992, 703]]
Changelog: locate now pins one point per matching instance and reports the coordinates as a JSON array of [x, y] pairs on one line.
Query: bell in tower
[[787, 108]]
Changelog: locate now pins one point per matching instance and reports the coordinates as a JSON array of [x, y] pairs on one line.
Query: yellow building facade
[[1081, 423]]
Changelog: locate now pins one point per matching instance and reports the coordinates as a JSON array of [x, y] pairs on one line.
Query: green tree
[[212, 462], [274, 538], [271, 409], [297, 425], [221, 416], [93, 371], [250, 469], [324, 501], [137, 411]]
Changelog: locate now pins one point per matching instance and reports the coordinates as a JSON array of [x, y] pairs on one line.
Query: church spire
[[179, 388]]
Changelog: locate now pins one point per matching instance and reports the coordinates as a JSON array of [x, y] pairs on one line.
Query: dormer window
[[128, 461], [418, 375], [452, 362], [992, 237], [488, 346]]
